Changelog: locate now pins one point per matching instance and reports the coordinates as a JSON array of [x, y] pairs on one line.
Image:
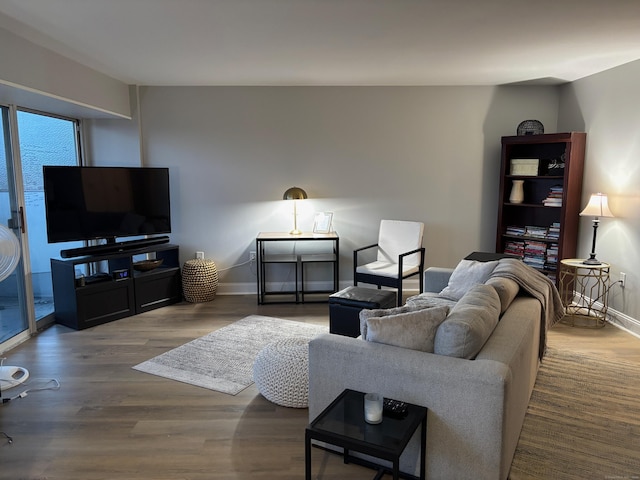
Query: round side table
[[584, 290], [199, 280]]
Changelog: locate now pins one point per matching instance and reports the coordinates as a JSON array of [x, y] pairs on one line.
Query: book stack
[[515, 230], [542, 254], [535, 231], [514, 248], [554, 198], [535, 254], [554, 231], [552, 257]]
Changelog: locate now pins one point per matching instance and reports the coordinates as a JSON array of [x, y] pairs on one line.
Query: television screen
[[86, 203]]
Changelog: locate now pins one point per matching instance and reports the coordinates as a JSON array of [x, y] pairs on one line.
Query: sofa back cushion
[[414, 330], [507, 290], [467, 274], [469, 324]]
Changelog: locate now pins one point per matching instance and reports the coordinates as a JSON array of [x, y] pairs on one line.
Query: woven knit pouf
[[281, 372], [199, 280]]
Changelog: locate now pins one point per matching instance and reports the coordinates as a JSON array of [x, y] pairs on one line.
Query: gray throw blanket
[[538, 286]]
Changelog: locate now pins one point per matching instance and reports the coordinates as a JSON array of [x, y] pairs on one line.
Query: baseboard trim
[[624, 322], [14, 341], [618, 319], [410, 287]]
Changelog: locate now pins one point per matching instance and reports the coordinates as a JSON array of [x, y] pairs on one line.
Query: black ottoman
[[345, 306]]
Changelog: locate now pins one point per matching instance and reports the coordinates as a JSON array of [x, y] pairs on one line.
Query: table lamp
[[598, 206], [295, 193]]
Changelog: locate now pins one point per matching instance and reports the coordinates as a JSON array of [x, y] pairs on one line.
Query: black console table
[[119, 291], [319, 248]]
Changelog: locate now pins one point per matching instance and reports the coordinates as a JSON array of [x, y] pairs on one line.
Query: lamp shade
[[294, 193], [598, 206]]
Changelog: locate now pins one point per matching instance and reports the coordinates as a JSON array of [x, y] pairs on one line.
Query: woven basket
[[199, 280]]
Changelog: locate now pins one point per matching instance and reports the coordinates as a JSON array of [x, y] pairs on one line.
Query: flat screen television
[[88, 203]]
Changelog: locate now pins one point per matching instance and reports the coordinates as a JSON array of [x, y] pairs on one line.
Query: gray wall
[[35, 77], [606, 106], [114, 142], [365, 153]]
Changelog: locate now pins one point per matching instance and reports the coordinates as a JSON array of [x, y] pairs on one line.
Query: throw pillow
[[379, 312], [469, 324], [413, 330], [507, 290], [467, 274]]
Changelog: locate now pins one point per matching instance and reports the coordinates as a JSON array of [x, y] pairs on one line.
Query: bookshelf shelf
[[526, 205]]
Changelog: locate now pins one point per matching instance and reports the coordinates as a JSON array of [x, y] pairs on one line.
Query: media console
[[121, 290]]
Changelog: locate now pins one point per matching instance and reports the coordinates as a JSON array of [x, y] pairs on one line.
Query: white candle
[[373, 408]]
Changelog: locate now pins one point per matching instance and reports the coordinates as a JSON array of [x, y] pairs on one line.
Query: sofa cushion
[[429, 300], [414, 330], [467, 274], [379, 312], [506, 288], [469, 323]]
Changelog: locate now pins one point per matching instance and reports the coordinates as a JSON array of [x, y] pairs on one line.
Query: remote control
[[395, 408]]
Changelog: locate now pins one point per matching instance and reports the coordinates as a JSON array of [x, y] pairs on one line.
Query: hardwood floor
[[108, 421]]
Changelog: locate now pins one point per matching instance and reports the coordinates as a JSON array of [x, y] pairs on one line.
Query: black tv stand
[[119, 291], [113, 247]]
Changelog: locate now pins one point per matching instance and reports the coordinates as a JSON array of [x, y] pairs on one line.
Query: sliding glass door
[[30, 141], [44, 140]]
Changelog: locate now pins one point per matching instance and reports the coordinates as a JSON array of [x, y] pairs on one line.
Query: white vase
[[517, 192]]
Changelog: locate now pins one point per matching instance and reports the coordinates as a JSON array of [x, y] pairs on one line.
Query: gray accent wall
[[430, 154], [606, 106]]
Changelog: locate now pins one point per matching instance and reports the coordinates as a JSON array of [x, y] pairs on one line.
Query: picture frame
[[322, 222]]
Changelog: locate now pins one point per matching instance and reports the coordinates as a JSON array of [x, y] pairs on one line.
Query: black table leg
[[307, 455], [423, 448]]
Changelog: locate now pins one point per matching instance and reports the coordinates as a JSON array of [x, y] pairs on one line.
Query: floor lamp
[[597, 207], [295, 194]]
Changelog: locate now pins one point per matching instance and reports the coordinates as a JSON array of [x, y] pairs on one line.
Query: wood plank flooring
[[108, 421]]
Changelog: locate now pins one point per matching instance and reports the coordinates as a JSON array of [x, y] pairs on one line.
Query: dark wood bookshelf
[[548, 149]]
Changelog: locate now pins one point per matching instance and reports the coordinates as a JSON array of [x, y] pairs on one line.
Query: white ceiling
[[334, 42]]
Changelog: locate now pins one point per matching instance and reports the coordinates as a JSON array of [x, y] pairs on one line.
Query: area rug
[[583, 421], [223, 360]]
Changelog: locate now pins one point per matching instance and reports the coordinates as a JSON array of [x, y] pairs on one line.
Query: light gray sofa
[[476, 407]]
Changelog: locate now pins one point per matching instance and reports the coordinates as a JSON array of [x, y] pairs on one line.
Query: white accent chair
[[400, 255]]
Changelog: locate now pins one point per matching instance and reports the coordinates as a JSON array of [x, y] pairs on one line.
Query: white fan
[[9, 258], [9, 252]]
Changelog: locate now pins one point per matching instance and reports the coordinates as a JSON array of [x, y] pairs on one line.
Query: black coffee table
[[342, 424]]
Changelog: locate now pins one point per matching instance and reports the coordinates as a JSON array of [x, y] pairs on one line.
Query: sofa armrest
[[465, 399], [436, 278]]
